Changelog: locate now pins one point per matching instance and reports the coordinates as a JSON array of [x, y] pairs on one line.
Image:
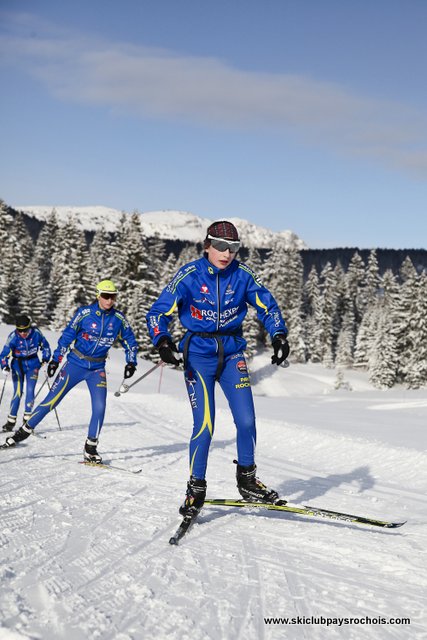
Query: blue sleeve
[[44, 345], [160, 313], [7, 351], [267, 309], [127, 339], [68, 336]]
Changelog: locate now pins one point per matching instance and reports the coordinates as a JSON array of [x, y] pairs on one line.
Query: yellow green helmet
[[105, 286]]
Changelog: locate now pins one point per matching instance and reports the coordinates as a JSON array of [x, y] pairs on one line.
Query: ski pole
[[6, 375], [56, 413], [124, 388], [41, 387]]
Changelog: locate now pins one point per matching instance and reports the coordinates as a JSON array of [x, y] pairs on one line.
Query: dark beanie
[[223, 229], [22, 322]]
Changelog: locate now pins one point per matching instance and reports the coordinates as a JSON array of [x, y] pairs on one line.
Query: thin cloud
[[149, 82]]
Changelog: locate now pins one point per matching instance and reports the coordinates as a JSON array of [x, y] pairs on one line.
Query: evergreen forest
[[353, 317]]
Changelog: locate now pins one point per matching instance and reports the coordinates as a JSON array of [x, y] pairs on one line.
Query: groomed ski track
[[85, 553]]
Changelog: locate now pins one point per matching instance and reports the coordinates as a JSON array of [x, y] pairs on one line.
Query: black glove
[[166, 349], [52, 367], [281, 349], [130, 369], [6, 368]]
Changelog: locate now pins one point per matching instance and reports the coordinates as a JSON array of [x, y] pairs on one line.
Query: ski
[[110, 467], [186, 523], [305, 510]]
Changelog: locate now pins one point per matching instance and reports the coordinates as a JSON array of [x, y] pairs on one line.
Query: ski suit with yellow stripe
[[212, 304]]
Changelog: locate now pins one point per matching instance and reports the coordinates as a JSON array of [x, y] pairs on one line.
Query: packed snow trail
[[85, 552]]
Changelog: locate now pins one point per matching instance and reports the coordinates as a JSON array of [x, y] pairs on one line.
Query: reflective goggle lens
[[222, 245]]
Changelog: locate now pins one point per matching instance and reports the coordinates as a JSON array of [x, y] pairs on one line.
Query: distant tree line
[[341, 316]]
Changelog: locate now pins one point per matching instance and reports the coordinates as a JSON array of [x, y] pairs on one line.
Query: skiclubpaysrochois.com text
[[338, 622]]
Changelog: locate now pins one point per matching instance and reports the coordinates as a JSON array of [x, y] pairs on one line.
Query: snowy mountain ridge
[[167, 225]]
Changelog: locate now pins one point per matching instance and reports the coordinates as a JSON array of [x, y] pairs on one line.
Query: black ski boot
[[22, 434], [90, 453], [10, 424], [194, 497], [252, 489]]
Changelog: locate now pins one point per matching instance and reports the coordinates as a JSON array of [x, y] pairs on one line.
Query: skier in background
[[211, 296], [23, 346], [93, 329]]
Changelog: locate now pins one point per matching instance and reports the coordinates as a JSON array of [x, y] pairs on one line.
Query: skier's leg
[[67, 378], [18, 386], [97, 384], [200, 381], [236, 386], [31, 378], [235, 383]]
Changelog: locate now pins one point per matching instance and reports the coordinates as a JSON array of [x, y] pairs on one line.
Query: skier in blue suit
[[23, 346], [92, 331], [211, 296]]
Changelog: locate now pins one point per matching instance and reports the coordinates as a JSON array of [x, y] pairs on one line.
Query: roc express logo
[[210, 314]]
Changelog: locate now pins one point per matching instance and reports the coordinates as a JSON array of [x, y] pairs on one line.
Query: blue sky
[[293, 114]]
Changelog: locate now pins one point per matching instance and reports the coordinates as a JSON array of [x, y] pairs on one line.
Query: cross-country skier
[[23, 346], [92, 331], [211, 296]]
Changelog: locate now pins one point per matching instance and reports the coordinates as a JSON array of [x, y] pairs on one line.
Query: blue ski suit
[[93, 332], [212, 304], [25, 366]]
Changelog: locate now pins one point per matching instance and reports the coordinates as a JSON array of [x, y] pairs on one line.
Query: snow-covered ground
[[84, 551]]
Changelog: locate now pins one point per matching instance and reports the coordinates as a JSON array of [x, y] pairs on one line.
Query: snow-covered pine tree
[[6, 222], [406, 308], [33, 293], [372, 281], [329, 305], [70, 286], [18, 252], [384, 354], [349, 309], [187, 254], [369, 310], [416, 368], [312, 314], [101, 257], [42, 267], [366, 336], [355, 280], [253, 329], [286, 285]]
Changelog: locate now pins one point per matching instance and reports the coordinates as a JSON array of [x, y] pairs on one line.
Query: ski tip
[[173, 540]]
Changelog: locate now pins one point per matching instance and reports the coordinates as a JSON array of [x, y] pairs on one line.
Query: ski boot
[[21, 434], [10, 424], [252, 489], [90, 453], [194, 497]]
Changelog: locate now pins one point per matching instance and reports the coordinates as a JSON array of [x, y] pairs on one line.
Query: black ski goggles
[[23, 332], [108, 296], [222, 245]]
